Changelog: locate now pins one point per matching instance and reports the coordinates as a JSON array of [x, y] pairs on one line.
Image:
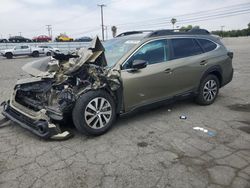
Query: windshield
[[118, 47]]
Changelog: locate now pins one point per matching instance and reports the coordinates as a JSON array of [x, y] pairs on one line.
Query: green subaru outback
[[133, 70]]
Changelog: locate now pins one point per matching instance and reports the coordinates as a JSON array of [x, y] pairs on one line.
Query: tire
[[208, 90], [35, 54], [9, 55], [48, 54], [88, 119]]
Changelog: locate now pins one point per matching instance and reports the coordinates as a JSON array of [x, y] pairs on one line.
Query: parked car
[[129, 72], [42, 38], [63, 38], [49, 49], [3, 40], [84, 39], [19, 39], [22, 50]]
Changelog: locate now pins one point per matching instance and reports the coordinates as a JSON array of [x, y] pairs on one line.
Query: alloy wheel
[[98, 113], [210, 90]]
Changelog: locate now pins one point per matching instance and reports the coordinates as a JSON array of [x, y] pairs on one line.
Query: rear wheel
[[94, 113], [48, 53], [9, 55], [35, 54], [208, 90]]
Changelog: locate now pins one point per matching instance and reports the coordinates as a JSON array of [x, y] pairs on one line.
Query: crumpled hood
[[49, 66]]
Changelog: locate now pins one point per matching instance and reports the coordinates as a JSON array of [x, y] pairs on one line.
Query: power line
[[236, 6], [86, 31], [200, 19], [167, 22]]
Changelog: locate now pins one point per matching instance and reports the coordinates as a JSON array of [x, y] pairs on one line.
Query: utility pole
[[222, 30], [49, 28], [101, 6], [20, 33]]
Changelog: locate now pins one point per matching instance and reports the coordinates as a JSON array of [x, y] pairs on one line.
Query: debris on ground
[[210, 133], [183, 117]]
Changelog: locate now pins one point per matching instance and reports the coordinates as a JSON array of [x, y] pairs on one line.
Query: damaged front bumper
[[42, 127]]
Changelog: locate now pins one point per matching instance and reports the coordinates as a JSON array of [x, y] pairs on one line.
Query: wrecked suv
[[130, 71]]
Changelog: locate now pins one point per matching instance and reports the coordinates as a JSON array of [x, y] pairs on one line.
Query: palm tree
[[173, 21], [114, 30]]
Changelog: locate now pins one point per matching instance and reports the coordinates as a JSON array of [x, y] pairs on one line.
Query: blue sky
[[82, 17]]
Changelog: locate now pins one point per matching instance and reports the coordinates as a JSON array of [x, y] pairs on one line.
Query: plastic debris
[[183, 117], [210, 133]]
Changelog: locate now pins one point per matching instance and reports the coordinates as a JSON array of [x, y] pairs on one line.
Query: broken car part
[[56, 83]]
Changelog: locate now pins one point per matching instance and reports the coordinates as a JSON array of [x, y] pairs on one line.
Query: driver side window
[[152, 52]]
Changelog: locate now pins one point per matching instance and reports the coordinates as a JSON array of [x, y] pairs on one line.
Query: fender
[[216, 70], [116, 95]]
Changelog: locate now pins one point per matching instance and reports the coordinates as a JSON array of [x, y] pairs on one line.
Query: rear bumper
[[42, 128], [229, 79]]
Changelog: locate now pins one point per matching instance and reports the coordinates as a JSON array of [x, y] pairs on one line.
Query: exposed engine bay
[[58, 81]]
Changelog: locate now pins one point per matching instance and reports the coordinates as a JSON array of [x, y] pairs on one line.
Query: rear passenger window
[[185, 47], [207, 45]]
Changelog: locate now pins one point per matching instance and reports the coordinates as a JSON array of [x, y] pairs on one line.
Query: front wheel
[[9, 55], [208, 90], [94, 113]]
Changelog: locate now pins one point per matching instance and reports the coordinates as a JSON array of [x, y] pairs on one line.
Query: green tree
[[186, 28]]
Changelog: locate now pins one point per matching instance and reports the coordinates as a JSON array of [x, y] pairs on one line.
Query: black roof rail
[[164, 32], [133, 33]]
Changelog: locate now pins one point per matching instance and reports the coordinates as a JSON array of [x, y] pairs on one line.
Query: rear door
[[188, 63]]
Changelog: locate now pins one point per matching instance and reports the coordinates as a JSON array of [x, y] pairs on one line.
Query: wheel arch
[[116, 95], [215, 70], [8, 53]]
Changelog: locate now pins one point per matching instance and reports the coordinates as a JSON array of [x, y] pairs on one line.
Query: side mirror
[[139, 64]]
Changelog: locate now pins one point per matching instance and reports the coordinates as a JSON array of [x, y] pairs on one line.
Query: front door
[[151, 83]]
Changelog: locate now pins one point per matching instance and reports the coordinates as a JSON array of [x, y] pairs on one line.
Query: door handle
[[204, 62], [168, 71]]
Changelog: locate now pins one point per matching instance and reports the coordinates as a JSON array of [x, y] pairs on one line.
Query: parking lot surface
[[153, 148]]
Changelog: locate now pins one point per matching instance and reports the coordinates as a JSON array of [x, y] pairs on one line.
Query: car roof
[[147, 35]]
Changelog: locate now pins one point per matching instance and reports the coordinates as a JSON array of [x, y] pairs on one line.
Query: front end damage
[[40, 103]]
